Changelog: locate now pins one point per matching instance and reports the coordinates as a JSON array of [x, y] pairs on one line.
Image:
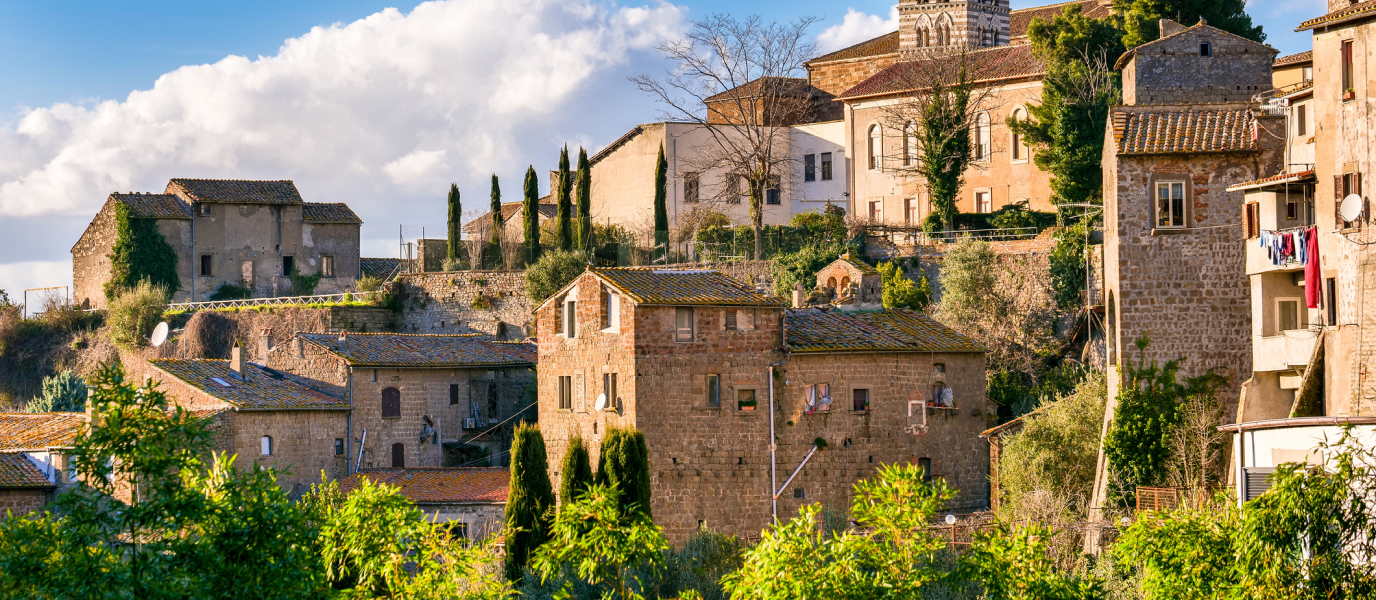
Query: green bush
[[63, 392], [1013, 215], [804, 231], [134, 313], [229, 291], [1056, 449], [792, 268], [1067, 262], [140, 252], [899, 290], [304, 285], [554, 270]]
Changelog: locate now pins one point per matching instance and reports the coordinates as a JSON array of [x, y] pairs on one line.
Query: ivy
[[140, 252]]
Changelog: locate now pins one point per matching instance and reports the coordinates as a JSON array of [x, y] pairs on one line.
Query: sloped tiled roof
[[661, 285], [1019, 20], [328, 212], [439, 485], [17, 471], [902, 330], [422, 350], [1356, 11], [1186, 131], [989, 64], [510, 210], [382, 268], [1283, 178], [781, 85], [264, 389], [1302, 57], [861, 265], [39, 431], [884, 44], [236, 191], [154, 206]]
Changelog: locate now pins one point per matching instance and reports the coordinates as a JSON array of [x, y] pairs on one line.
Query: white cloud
[[856, 27], [19, 276]]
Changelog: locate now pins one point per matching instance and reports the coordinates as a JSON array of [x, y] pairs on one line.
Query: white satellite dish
[[159, 334], [1351, 207], [601, 402]]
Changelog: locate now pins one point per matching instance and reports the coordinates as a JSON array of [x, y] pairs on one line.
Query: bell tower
[[926, 24]]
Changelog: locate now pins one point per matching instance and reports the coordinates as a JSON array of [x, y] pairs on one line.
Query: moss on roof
[[262, 389], [811, 330], [423, 350], [668, 286]]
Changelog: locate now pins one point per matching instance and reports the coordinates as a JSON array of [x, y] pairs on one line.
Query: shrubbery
[[63, 392], [134, 313], [554, 270]]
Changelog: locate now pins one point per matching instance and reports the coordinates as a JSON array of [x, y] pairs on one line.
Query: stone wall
[[1172, 70], [483, 520], [835, 77], [489, 302], [17, 503], [210, 333]]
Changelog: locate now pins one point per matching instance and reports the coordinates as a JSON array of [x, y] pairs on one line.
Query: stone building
[[695, 360], [229, 232], [1173, 270], [35, 463], [471, 501]]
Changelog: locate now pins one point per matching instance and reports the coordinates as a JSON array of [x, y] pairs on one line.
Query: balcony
[[1284, 352]]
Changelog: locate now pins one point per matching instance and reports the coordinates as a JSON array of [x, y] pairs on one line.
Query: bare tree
[[939, 122], [737, 80]]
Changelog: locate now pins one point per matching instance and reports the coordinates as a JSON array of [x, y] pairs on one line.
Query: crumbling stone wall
[[489, 302], [20, 502]]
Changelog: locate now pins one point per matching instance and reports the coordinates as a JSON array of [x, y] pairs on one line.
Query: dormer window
[[1205, 49]]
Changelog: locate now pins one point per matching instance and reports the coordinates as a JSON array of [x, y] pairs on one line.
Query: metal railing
[[915, 235], [280, 301]]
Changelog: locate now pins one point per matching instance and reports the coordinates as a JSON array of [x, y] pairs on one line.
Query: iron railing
[[901, 234], [280, 301]]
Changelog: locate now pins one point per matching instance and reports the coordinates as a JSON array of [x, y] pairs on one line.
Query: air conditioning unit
[[470, 423]]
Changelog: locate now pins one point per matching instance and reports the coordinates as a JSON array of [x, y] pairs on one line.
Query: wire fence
[[281, 301]]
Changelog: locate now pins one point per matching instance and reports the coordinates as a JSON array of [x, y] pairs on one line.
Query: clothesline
[[1287, 246]]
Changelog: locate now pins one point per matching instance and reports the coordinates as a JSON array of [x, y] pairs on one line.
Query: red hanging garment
[[1313, 292]]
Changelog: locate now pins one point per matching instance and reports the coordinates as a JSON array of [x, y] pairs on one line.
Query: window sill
[[391, 418], [860, 413], [747, 412], [706, 409], [1155, 231], [1018, 161], [1347, 230]]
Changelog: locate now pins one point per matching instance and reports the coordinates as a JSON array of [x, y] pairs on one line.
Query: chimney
[[236, 360], [265, 345], [344, 342], [799, 296], [1169, 27]]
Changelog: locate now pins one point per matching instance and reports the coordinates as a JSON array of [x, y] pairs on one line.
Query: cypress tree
[[495, 242], [584, 182], [529, 501], [532, 215], [455, 215], [576, 472], [140, 252], [565, 203], [625, 464], [661, 206]]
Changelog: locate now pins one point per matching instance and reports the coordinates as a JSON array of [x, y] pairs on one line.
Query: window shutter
[[1257, 480], [1338, 201]]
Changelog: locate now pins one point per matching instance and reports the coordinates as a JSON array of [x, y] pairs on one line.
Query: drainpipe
[[773, 443], [195, 264], [349, 426]]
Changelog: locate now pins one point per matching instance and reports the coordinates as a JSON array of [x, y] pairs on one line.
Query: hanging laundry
[[1313, 295]]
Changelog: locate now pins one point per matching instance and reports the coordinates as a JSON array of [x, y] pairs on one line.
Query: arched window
[[909, 144], [831, 282], [943, 35], [1019, 147], [845, 283], [876, 147], [398, 455], [391, 402], [981, 136], [266, 444], [922, 37]]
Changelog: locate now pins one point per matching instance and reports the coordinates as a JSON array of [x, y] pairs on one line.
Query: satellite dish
[[159, 334], [601, 402], [1351, 207]]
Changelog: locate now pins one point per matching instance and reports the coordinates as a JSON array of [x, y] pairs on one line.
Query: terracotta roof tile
[[422, 350], [154, 206], [439, 485], [884, 44], [39, 431], [264, 390], [328, 212], [382, 268], [1355, 11], [863, 266], [511, 210], [903, 330], [1282, 178], [664, 285], [1019, 20], [17, 471], [235, 191], [1302, 57], [1187, 131], [989, 64], [784, 86]]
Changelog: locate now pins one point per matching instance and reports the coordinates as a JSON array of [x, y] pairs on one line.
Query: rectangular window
[[1292, 209], [984, 202], [565, 392], [714, 391], [1205, 49], [1251, 222], [826, 166], [1170, 204], [910, 211], [809, 167], [205, 210], [731, 322], [339, 446], [690, 187], [207, 265], [817, 397], [611, 309], [327, 266], [571, 319], [926, 465], [1332, 287], [745, 400], [1307, 73], [288, 265], [453, 394], [1288, 315], [374, 378], [772, 194], [683, 324], [1301, 120], [1348, 80], [876, 211], [609, 387], [860, 399], [799, 494]]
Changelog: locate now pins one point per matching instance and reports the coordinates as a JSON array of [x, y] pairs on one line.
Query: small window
[[683, 324], [984, 202], [1018, 144], [981, 137], [266, 445], [772, 194], [571, 319], [609, 387], [1292, 209], [714, 391], [1251, 220], [207, 265], [939, 368], [809, 167], [1205, 49], [860, 399], [1332, 287], [826, 166], [374, 378], [565, 392], [339, 446], [288, 265], [817, 398], [876, 211], [691, 183], [876, 147], [205, 209], [925, 464], [745, 400], [1301, 120], [327, 266], [398, 455], [1347, 76], [731, 322], [1170, 204], [1307, 73], [910, 211], [391, 403], [608, 309], [799, 494], [453, 394], [1288, 314], [941, 395], [910, 145]]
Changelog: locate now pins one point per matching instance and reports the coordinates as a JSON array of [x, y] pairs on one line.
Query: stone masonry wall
[[489, 302], [17, 503], [1172, 71], [839, 76]]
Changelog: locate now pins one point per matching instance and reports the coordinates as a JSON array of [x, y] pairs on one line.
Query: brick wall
[[18, 503], [839, 76], [465, 302], [482, 519]]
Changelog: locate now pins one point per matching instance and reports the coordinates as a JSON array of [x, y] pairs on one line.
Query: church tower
[[935, 24]]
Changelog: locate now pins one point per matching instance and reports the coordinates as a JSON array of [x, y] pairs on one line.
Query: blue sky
[[100, 97]]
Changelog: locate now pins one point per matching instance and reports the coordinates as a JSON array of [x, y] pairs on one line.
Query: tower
[[936, 24]]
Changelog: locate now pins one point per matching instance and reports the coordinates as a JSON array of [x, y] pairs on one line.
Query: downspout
[[192, 259], [349, 426], [773, 444]]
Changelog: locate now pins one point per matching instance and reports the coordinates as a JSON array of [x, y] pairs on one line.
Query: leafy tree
[[552, 272], [498, 227], [662, 206], [576, 472], [899, 291], [602, 543], [624, 464], [531, 214], [530, 500], [1183, 553], [1055, 451], [564, 203], [801, 266], [1140, 18], [62, 392], [140, 252], [1067, 262], [1013, 564], [455, 232], [583, 231], [968, 274]]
